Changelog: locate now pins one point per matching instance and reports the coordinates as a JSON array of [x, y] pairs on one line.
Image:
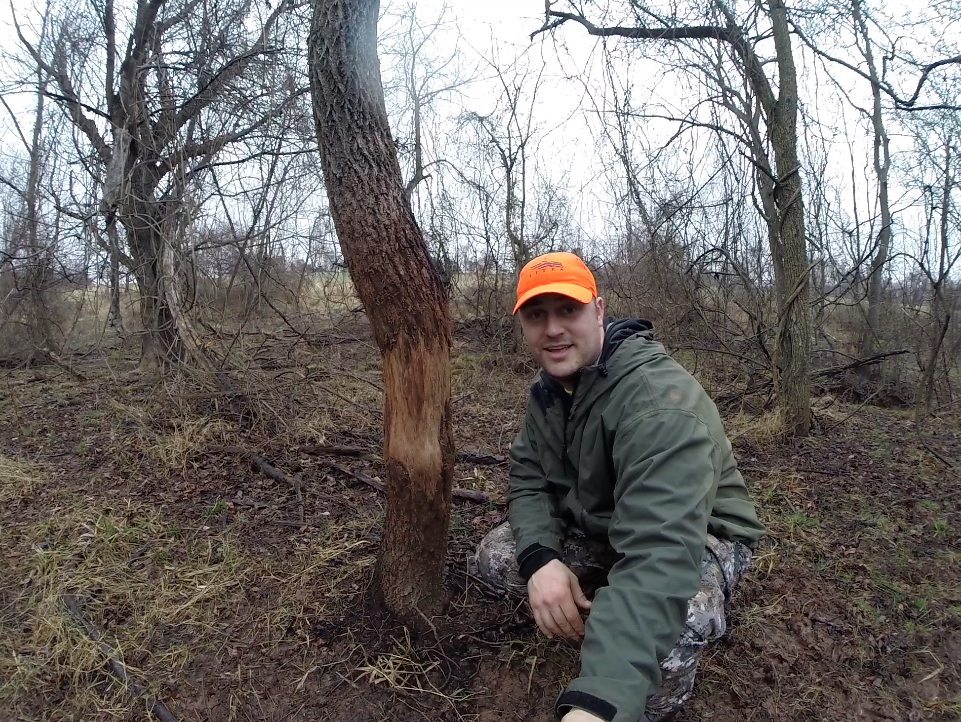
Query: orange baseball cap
[[561, 272]]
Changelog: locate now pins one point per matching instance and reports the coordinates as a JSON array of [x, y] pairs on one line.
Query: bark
[[114, 316], [882, 165], [789, 248], [390, 266], [939, 309], [38, 263]]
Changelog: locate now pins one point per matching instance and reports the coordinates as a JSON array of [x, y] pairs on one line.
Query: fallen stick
[[158, 708], [473, 457], [466, 457], [468, 494], [324, 449], [271, 471]]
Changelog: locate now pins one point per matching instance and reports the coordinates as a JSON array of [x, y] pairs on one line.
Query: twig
[[471, 457], [268, 469], [864, 403], [324, 449], [294, 523], [357, 452], [56, 360], [468, 494], [472, 495], [857, 363], [933, 453], [158, 708]]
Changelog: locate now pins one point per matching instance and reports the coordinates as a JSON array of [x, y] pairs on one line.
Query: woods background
[[229, 246]]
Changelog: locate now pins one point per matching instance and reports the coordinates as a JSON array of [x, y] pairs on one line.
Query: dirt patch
[[232, 599]]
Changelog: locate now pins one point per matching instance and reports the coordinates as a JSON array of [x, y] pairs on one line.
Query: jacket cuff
[[533, 558], [587, 702]]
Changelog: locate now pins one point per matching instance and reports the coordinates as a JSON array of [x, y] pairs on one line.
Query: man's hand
[[579, 715], [556, 600]]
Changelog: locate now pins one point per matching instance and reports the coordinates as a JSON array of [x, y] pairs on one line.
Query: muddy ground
[[228, 597]]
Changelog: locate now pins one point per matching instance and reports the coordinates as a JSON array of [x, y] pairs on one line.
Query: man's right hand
[[556, 600]]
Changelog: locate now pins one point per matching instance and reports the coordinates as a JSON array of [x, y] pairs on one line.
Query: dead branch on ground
[[468, 494], [466, 457], [157, 708]]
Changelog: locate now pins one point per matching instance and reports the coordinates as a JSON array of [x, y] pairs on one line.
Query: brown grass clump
[[138, 580], [161, 595]]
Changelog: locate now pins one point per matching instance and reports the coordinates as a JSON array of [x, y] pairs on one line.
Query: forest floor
[[133, 506]]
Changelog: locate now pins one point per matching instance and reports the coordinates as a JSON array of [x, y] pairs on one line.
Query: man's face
[[563, 335]]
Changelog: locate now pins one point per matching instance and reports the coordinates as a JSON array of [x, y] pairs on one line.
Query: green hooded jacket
[[637, 457]]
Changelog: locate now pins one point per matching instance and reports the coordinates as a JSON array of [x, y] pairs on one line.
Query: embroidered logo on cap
[[544, 265]]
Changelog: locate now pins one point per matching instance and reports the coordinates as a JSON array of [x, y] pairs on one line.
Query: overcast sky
[[569, 148]]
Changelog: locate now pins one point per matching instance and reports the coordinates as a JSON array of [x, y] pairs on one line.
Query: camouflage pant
[[722, 566]]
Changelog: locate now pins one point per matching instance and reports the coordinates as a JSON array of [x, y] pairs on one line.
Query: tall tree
[[29, 243], [390, 266], [882, 167], [778, 176]]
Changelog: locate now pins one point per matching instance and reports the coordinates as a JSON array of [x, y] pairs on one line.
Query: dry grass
[[160, 594], [171, 444], [17, 479], [761, 429], [136, 577]]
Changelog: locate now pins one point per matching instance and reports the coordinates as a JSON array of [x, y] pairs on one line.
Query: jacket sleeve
[[537, 527], [665, 464]]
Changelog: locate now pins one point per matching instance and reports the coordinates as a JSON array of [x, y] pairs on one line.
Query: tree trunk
[[390, 266], [789, 248], [38, 258], [882, 164], [114, 316], [939, 310], [163, 345]]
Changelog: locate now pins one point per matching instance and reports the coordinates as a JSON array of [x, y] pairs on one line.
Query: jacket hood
[[616, 331]]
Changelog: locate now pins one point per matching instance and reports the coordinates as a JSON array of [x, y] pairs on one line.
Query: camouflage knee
[[723, 566], [495, 560]]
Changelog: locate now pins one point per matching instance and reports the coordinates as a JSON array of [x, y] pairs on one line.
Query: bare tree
[[937, 258], [778, 174], [28, 256], [391, 269], [154, 111], [882, 168], [507, 134]]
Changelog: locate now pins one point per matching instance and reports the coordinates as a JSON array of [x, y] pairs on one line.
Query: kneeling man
[[622, 480]]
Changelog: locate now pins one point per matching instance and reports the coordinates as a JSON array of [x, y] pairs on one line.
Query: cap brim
[[578, 293]]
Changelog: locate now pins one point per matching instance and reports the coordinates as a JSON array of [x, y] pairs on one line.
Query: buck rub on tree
[[391, 270]]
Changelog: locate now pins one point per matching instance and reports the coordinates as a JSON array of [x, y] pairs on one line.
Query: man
[[621, 469]]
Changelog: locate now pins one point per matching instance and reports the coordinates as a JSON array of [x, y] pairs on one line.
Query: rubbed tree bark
[[389, 263]]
